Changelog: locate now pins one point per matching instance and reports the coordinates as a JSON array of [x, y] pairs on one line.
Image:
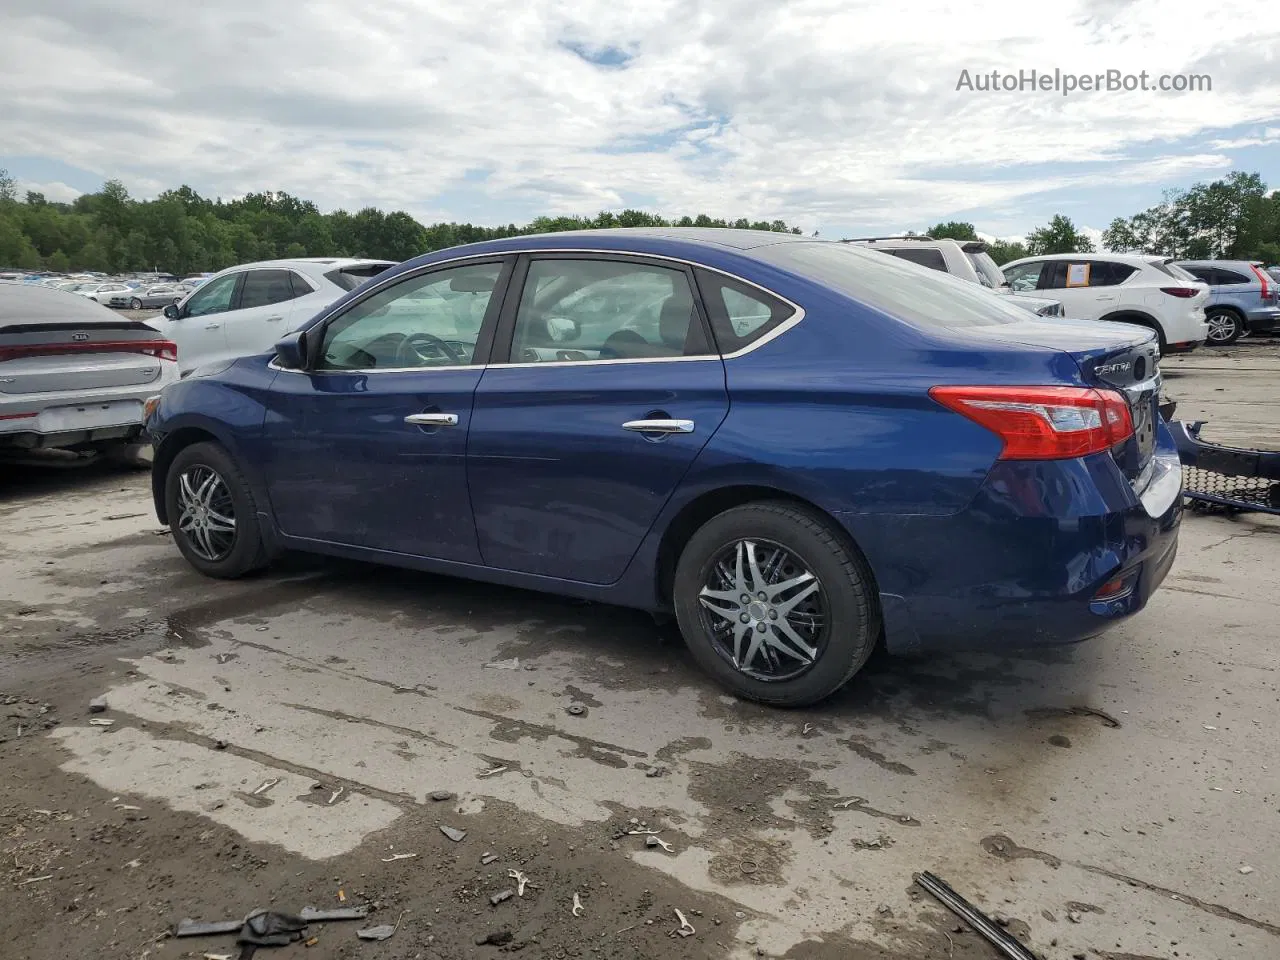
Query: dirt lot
[[277, 743]]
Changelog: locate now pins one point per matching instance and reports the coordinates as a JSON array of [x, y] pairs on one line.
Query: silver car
[[73, 375], [142, 298]]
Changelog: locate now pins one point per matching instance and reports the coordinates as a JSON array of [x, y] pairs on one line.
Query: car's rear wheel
[[212, 512], [135, 304], [775, 605], [1225, 327]]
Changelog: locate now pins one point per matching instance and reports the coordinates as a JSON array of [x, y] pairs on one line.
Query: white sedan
[[103, 293]]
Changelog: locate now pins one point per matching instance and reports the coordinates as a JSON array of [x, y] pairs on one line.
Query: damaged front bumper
[[1230, 477]]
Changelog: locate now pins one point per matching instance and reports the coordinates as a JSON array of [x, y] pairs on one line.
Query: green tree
[[58, 261], [1059, 236], [953, 230], [8, 188], [1003, 252]]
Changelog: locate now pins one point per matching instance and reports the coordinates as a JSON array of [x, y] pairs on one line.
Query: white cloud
[[816, 111], [54, 190]]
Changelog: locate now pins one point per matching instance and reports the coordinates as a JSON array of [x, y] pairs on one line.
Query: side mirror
[[171, 312], [291, 351]]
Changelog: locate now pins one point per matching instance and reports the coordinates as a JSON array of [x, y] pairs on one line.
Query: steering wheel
[[409, 353]]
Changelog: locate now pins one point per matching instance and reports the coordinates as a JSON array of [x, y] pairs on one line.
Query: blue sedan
[[800, 448]]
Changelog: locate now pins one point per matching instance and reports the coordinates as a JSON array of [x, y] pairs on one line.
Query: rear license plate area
[[89, 416]]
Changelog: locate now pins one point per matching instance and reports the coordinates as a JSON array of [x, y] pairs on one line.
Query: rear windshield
[[902, 290], [348, 278], [989, 274], [1173, 270]]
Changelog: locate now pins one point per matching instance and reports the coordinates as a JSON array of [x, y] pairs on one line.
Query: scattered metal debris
[[311, 942], [488, 858], [312, 915], [807, 728], [195, 928], [577, 906], [215, 956], [998, 937], [98, 705], [333, 797], [851, 802], [439, 796], [457, 836], [398, 856], [127, 807], [492, 772], [512, 664], [383, 932], [643, 833], [652, 841], [98, 722], [23, 883], [686, 928], [501, 896], [521, 881], [748, 867], [576, 710], [266, 785]]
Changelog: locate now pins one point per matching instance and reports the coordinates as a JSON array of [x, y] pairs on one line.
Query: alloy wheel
[[207, 516], [764, 610], [1222, 327]]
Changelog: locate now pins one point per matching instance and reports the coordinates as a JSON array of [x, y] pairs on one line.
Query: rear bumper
[[69, 420], [1023, 565], [1263, 320]]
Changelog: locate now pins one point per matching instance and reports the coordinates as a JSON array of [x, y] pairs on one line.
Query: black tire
[[850, 604], [246, 552], [135, 304], [1225, 327]]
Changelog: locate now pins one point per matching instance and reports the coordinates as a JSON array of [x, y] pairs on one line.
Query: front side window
[[432, 320], [1024, 277], [575, 310], [265, 287], [214, 297]]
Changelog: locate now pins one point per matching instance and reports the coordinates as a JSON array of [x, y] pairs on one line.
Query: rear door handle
[[432, 419], [659, 426], [275, 318], [213, 326]]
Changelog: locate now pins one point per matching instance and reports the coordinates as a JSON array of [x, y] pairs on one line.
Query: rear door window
[[265, 287], [1108, 273]]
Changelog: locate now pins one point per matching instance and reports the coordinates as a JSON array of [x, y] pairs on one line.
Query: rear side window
[[1230, 276], [925, 299], [740, 314], [1106, 273], [1172, 269], [265, 287], [926, 257], [300, 286], [1207, 274]]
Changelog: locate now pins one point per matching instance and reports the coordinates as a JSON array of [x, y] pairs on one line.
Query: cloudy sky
[[838, 115]]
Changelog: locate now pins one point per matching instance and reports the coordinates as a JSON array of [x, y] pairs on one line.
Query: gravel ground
[[1118, 799]]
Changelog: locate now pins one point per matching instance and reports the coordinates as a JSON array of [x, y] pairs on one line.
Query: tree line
[[182, 232]]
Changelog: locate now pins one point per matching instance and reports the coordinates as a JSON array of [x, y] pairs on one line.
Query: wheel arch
[[1138, 318], [1229, 308], [714, 502], [173, 444]]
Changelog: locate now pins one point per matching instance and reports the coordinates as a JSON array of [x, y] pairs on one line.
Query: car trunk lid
[[72, 356], [1111, 356]]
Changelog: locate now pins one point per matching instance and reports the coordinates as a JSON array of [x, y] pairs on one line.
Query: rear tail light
[[1264, 280], [1185, 292], [160, 349], [1044, 423]]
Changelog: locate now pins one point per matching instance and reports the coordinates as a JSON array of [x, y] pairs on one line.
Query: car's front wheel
[[212, 512], [775, 605], [135, 304], [1225, 327]]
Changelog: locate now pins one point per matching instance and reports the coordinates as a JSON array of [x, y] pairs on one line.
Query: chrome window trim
[[797, 315]]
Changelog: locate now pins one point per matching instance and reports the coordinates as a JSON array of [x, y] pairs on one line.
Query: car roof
[[32, 303], [303, 262]]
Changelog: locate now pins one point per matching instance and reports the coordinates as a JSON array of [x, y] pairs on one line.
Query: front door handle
[[275, 318], [213, 326], [432, 419], [659, 426]]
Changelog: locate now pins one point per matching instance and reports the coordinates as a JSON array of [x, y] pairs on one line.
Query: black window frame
[[483, 354], [300, 285], [505, 334]]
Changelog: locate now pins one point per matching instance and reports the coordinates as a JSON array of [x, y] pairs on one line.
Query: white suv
[[1126, 288], [244, 310]]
